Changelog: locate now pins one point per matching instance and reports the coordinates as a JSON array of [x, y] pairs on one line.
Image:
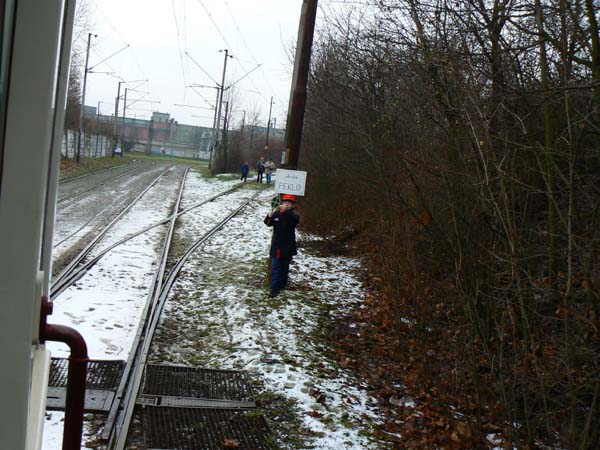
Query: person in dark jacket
[[244, 169], [260, 169], [284, 221]]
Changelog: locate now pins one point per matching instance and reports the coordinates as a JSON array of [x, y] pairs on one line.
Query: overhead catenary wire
[[250, 52], [124, 41], [112, 69], [215, 24], [108, 57], [179, 44], [229, 46], [193, 88], [201, 68]]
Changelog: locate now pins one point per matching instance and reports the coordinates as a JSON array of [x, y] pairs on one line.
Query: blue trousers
[[280, 267], [268, 178]]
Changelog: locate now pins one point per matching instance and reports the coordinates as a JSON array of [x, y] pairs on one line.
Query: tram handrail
[[76, 377]]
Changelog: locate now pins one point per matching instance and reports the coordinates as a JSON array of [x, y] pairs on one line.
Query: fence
[[92, 145]]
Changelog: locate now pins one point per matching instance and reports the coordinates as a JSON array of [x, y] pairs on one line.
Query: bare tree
[[467, 133]]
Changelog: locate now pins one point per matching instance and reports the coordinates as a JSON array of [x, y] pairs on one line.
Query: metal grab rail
[[76, 378]]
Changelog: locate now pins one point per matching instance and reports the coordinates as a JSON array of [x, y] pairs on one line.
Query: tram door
[[34, 59]]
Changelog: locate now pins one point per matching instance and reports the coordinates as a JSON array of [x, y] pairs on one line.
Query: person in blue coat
[[244, 169], [284, 221]]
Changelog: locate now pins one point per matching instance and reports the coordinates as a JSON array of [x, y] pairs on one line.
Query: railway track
[[118, 422], [76, 195], [85, 175], [126, 395], [77, 268], [77, 221], [66, 277]]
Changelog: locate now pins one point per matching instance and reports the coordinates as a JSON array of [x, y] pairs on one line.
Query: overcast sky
[[162, 33]]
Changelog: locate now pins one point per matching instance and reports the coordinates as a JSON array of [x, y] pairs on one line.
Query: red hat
[[290, 197]]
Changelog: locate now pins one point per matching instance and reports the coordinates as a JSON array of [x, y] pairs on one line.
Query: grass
[[71, 169], [166, 158]]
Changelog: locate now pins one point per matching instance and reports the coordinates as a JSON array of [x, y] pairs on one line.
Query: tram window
[[6, 27]]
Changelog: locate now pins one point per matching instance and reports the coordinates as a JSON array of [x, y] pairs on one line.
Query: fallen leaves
[[413, 372], [320, 396]]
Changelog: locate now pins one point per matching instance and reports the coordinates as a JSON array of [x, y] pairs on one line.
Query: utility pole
[[221, 91], [151, 122], [295, 118], [123, 126], [225, 124], [241, 140], [82, 106], [116, 118], [97, 126], [268, 126], [212, 137]]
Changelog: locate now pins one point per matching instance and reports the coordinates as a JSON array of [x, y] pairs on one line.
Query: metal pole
[[269, 125], [222, 90], [115, 119], [123, 127], [212, 136], [97, 126], [295, 118], [225, 137], [82, 106]]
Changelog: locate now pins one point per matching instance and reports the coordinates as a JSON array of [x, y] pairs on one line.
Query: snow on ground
[[105, 305], [74, 219], [218, 314]]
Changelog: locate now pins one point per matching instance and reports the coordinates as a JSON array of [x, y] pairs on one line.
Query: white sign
[[290, 182]]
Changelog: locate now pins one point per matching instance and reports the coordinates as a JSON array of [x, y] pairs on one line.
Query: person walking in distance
[[269, 169], [244, 169], [260, 169], [284, 221]]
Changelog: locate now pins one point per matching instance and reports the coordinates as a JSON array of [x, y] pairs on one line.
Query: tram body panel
[[32, 103]]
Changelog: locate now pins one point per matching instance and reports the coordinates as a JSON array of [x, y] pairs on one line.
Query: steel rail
[[82, 270], [80, 193], [110, 433], [91, 173], [118, 431], [81, 227], [59, 285]]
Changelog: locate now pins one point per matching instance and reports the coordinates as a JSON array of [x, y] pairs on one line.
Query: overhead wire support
[[82, 106], [193, 88], [108, 57], [244, 76], [201, 68], [192, 106], [220, 93], [116, 116]]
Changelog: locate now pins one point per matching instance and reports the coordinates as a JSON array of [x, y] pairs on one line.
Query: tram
[[34, 64]]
